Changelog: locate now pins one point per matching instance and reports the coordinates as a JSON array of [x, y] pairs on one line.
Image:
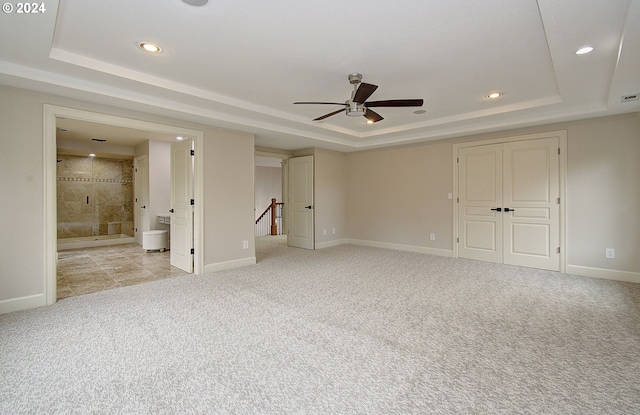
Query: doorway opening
[[143, 132]]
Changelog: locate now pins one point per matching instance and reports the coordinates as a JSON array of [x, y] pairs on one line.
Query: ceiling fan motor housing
[[354, 109]]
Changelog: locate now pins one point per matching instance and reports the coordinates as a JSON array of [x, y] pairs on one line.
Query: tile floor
[[89, 270]]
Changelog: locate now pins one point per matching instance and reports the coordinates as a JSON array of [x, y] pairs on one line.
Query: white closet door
[[531, 213], [480, 190], [508, 209]]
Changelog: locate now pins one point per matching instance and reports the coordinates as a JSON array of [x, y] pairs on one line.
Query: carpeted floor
[[342, 330]]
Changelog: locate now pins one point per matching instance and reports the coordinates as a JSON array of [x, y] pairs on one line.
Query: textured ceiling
[[241, 65]]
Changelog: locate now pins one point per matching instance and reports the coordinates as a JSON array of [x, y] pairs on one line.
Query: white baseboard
[[401, 247], [221, 266], [607, 274], [22, 303], [329, 244]]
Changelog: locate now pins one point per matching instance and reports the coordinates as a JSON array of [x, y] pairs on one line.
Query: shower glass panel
[[94, 197]]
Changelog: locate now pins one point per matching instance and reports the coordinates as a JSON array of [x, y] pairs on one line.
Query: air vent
[[627, 98], [99, 140]]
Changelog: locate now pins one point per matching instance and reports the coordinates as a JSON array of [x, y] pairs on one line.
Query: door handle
[[308, 207], [509, 210], [143, 207], [497, 209], [170, 210]]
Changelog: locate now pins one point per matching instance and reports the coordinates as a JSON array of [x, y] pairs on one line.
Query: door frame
[[562, 144], [50, 113], [138, 230]]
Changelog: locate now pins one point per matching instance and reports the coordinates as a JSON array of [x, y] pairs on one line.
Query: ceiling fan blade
[[329, 115], [372, 116], [396, 103], [364, 91], [322, 103]]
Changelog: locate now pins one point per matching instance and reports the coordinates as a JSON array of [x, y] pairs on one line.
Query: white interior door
[[531, 205], [508, 208], [141, 198], [181, 229], [480, 194], [300, 207]]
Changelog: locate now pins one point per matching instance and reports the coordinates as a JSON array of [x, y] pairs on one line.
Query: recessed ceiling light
[[92, 155], [584, 50], [494, 95], [196, 2], [179, 138], [150, 47]]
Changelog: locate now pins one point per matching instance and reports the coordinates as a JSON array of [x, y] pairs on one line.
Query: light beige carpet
[[342, 330]]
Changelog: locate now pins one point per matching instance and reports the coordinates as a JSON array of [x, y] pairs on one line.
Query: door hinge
[[457, 240], [558, 200], [558, 151], [193, 251], [558, 249], [457, 159], [193, 202], [457, 200], [193, 152]]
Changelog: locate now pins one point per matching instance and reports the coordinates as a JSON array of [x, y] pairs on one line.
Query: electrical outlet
[[333, 231], [324, 231], [450, 196], [610, 253], [245, 244], [432, 236]]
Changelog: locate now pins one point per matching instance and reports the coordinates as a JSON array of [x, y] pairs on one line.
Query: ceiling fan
[[357, 105]]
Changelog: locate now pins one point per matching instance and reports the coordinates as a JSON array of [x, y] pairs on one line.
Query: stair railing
[[270, 221]]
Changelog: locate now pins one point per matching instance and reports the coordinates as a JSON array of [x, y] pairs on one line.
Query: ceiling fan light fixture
[[356, 111]]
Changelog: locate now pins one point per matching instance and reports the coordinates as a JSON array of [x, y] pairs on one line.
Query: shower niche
[[94, 200]]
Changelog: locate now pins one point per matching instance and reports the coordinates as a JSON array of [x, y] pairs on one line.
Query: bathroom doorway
[[143, 130]]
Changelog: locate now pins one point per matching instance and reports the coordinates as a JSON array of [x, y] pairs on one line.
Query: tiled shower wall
[[95, 196]]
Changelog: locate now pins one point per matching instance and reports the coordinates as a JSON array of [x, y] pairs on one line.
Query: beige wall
[[228, 187], [330, 186], [228, 198], [399, 195], [159, 182]]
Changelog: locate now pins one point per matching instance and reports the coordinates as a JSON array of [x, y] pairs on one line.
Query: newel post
[[274, 227]]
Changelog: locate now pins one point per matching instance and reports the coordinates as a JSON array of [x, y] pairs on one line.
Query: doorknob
[[143, 207], [509, 210], [497, 209], [308, 207]]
